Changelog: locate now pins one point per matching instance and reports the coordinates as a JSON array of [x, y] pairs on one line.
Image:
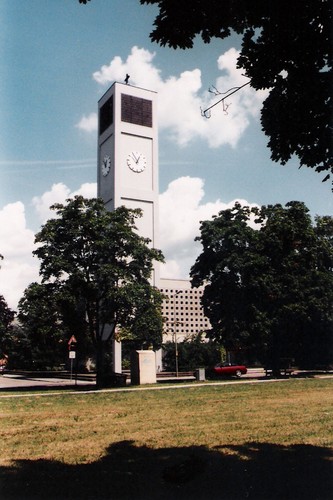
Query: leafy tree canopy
[[6, 321], [194, 352], [286, 48], [42, 335], [147, 326], [97, 257], [269, 288]]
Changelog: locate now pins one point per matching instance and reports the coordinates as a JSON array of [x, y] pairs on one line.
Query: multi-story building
[[182, 310]]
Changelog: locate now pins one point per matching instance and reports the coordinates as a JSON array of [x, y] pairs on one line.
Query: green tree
[[47, 318], [6, 325], [269, 288], [97, 257], [73, 315], [286, 48], [147, 325], [19, 353], [42, 328], [194, 352]]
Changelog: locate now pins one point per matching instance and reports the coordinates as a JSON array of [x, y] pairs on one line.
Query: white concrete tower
[[127, 172], [128, 155]]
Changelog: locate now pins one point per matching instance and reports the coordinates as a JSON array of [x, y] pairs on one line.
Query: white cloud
[[88, 190], [19, 268], [181, 210], [59, 193], [181, 98], [88, 123], [139, 65]]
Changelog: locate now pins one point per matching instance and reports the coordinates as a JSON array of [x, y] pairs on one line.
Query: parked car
[[230, 369]]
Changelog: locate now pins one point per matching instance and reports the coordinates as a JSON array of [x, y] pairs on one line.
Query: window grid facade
[[183, 314]]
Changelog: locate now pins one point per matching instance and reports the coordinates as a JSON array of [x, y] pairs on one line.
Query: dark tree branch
[[206, 112]]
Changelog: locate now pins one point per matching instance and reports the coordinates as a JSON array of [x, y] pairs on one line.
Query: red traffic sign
[[72, 340]]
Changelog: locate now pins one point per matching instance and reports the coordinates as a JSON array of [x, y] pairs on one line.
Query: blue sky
[[57, 58]]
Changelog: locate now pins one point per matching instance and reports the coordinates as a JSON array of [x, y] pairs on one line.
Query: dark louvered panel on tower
[[136, 110], [106, 115]]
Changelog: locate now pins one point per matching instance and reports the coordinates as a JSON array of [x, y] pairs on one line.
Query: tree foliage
[[97, 258], [194, 352], [40, 321], [47, 319], [146, 327], [269, 288], [286, 48], [6, 325]]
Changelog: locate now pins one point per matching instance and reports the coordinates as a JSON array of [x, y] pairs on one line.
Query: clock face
[[136, 161], [106, 165]]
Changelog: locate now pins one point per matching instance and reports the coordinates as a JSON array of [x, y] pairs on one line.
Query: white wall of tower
[[122, 185]]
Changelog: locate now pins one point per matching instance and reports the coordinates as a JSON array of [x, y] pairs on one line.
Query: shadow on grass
[[251, 471]]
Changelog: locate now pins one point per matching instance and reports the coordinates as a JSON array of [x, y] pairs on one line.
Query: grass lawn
[[237, 441]]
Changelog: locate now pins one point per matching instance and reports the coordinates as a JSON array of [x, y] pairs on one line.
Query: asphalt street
[[25, 382], [12, 381]]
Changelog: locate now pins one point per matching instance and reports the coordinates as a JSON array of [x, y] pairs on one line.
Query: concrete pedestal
[[143, 367]]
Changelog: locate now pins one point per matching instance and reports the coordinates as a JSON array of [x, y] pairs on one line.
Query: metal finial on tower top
[[127, 78]]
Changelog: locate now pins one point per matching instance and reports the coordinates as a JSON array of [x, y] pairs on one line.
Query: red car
[[229, 369]]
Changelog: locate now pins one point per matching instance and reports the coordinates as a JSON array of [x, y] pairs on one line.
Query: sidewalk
[[11, 381]]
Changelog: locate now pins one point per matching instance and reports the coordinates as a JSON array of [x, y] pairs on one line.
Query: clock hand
[[135, 158]]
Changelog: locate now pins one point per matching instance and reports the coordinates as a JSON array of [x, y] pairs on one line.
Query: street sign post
[[72, 352]]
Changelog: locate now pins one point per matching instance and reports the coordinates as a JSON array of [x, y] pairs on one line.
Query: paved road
[[13, 381], [10, 381]]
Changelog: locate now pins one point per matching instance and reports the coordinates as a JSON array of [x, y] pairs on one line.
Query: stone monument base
[[143, 367]]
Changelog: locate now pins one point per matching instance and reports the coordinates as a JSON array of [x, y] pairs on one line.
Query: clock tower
[[128, 155]]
